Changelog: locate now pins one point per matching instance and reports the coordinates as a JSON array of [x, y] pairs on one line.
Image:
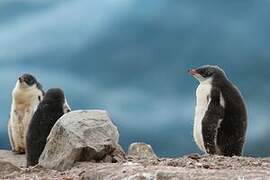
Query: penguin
[[52, 107], [220, 115], [26, 96]]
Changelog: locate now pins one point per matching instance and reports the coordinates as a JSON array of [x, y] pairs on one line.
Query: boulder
[[141, 151], [81, 136]]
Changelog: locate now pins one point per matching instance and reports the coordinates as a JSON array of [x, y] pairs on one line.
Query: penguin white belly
[[203, 99], [19, 122], [23, 107]]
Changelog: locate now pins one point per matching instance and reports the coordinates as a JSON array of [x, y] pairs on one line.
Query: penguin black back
[[48, 112], [231, 136], [232, 130]]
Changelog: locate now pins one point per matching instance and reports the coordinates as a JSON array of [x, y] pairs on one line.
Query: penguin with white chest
[[220, 116], [51, 108], [26, 96]]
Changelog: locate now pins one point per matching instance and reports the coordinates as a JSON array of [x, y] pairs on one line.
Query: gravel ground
[[188, 167]]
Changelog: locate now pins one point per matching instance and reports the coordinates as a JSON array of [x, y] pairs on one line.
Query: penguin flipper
[[211, 122]]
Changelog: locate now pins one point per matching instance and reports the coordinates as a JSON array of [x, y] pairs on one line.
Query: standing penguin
[[51, 108], [25, 98], [220, 115]]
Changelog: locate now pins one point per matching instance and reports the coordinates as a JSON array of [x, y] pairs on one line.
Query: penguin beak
[[192, 72], [21, 79]]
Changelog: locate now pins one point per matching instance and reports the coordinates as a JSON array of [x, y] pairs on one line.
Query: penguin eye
[[206, 72], [210, 73], [202, 72]]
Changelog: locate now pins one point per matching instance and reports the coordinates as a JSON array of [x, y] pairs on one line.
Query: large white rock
[[81, 136]]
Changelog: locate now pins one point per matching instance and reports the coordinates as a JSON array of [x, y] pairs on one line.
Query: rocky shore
[[84, 145], [188, 167]]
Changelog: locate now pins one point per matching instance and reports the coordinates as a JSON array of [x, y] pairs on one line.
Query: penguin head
[[27, 80], [206, 73], [55, 94]]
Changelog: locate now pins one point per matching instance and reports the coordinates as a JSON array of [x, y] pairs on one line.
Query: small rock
[[82, 136], [18, 160], [167, 175], [143, 176], [7, 168], [91, 176], [198, 164], [118, 155], [81, 173], [194, 156], [141, 151]]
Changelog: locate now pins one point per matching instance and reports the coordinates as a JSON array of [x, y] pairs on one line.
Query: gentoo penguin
[[26, 96], [220, 115], [51, 108]]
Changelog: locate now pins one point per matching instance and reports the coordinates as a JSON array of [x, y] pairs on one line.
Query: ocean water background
[[130, 57]]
